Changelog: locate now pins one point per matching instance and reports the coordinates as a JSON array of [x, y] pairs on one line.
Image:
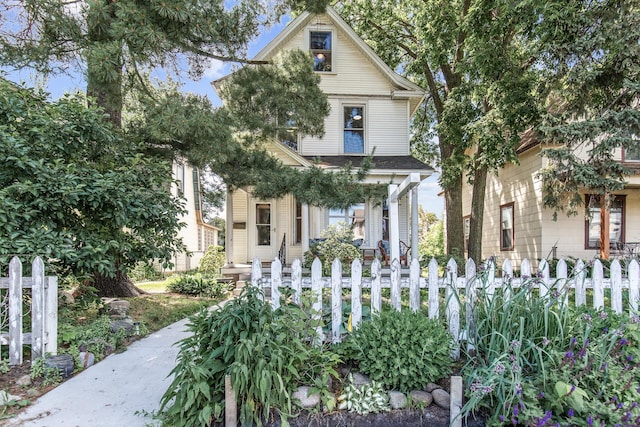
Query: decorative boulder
[[441, 398], [64, 363], [397, 400], [422, 398], [306, 400]]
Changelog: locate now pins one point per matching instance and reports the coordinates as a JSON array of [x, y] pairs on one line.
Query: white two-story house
[[371, 109]]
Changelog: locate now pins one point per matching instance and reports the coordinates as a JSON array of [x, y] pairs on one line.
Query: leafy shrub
[[197, 284], [337, 242], [266, 353], [402, 350], [212, 261]]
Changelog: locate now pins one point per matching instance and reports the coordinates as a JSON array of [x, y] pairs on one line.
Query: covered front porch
[[283, 229]]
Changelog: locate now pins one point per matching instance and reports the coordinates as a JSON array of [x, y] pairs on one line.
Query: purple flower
[[501, 418], [589, 420], [603, 315], [570, 413], [623, 341], [546, 341], [515, 411], [568, 355], [630, 358]]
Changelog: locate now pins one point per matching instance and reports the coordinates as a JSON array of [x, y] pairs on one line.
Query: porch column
[[394, 224], [414, 223], [228, 237], [305, 228]]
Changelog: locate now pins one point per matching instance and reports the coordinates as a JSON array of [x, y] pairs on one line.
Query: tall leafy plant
[[266, 353]]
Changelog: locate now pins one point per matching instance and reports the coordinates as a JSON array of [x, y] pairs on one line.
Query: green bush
[[336, 242], [267, 354], [402, 350], [197, 284], [212, 261]]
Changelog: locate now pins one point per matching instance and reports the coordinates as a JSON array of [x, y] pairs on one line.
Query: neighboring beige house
[[371, 107], [196, 235], [516, 225]]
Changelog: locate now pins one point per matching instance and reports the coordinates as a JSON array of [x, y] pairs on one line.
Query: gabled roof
[[406, 88]]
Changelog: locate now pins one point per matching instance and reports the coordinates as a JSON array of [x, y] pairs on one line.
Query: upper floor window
[[320, 46], [616, 221], [354, 129], [506, 227]]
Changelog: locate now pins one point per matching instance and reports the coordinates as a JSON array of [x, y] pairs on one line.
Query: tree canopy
[[77, 193], [118, 44], [493, 69]]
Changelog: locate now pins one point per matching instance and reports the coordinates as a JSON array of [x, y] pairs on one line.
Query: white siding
[[388, 130], [240, 242]]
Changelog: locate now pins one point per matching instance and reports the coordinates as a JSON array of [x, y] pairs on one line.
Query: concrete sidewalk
[[122, 390]]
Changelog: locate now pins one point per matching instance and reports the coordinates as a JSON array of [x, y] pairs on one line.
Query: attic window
[[320, 47]]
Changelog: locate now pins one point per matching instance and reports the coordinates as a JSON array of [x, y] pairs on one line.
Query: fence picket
[[414, 285], [579, 283], [256, 273], [316, 291], [37, 309], [395, 285], [507, 275], [356, 293], [453, 306], [561, 281], [15, 312], [296, 281], [598, 285], [546, 285], [434, 304], [376, 286], [525, 272], [276, 282], [336, 300], [616, 286], [470, 293], [634, 285]]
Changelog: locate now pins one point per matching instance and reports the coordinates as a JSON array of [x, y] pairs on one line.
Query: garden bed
[[433, 416]]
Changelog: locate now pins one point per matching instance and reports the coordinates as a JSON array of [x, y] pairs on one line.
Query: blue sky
[[58, 85]]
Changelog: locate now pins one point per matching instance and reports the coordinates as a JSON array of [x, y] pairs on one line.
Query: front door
[[264, 231]]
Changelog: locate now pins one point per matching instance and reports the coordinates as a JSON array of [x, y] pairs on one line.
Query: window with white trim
[[616, 221], [320, 46], [506, 227], [353, 129]]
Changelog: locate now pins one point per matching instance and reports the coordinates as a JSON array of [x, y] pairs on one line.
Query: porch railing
[[282, 252]]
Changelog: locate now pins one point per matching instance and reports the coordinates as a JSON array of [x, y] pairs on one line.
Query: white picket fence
[[43, 337], [450, 283]]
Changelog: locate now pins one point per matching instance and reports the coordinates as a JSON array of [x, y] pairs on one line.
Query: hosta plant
[[364, 399]]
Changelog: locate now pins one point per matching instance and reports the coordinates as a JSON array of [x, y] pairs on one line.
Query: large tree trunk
[[477, 213], [453, 212], [117, 286]]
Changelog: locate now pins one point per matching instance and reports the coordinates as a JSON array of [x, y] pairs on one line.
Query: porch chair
[[385, 252]]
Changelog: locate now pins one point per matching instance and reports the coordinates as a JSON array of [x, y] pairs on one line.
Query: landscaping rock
[[64, 363], [119, 308], [306, 400], [441, 398], [122, 324], [87, 358], [66, 297], [431, 386], [24, 381], [422, 398], [397, 400]]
